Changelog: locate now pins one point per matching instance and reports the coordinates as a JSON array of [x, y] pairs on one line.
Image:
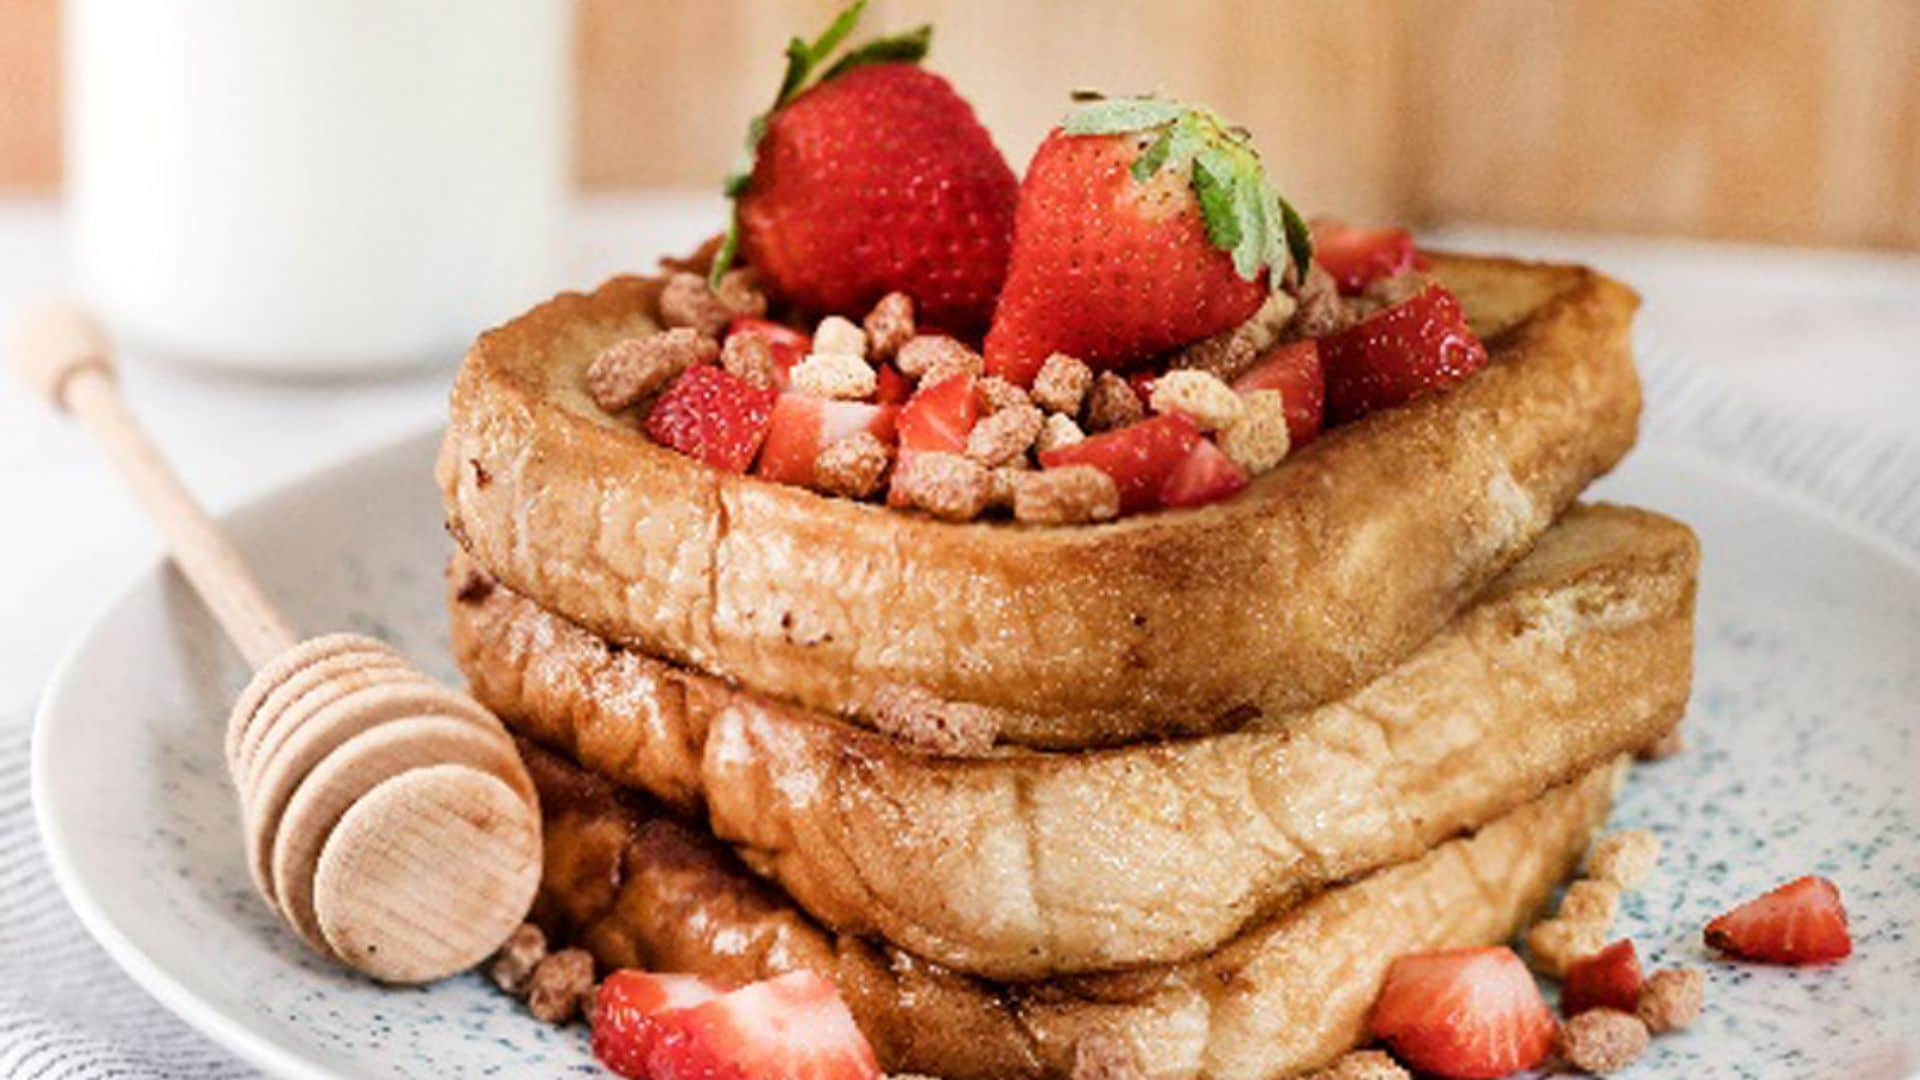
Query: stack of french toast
[[1241, 757], [1113, 674]]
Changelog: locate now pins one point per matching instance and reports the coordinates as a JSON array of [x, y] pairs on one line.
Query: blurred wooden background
[[1783, 120]]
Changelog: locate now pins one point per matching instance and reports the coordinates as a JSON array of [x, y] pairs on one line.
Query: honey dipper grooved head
[[389, 819], [427, 874]]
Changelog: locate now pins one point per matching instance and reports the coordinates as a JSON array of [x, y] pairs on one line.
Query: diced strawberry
[[794, 1027], [789, 346], [1139, 457], [1294, 370], [1464, 1013], [895, 388], [1357, 257], [1412, 348], [1609, 979], [1142, 384], [802, 426], [623, 1024], [1205, 475], [1801, 922], [939, 417], [712, 415]]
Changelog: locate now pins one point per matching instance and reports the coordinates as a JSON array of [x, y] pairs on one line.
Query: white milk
[[315, 185]]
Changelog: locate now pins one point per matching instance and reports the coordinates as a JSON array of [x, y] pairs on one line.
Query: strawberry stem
[[1244, 216], [804, 59]]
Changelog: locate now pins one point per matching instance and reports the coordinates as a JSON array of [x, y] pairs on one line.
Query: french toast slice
[[1026, 864], [1320, 576], [639, 888]]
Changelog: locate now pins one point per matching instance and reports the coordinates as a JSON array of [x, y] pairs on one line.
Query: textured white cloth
[[65, 1009]]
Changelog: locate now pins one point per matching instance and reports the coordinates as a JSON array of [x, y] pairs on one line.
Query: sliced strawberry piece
[[1205, 475], [1412, 348], [1294, 370], [794, 1027], [1139, 457], [939, 417], [1464, 1013], [789, 346], [895, 388], [712, 415], [623, 1024], [1609, 979], [803, 426], [1801, 922], [1358, 257]]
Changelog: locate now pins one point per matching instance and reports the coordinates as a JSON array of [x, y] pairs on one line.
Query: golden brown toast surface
[[1026, 864], [641, 889], [1320, 576]]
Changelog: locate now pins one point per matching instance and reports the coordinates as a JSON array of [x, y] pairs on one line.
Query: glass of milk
[[314, 185]]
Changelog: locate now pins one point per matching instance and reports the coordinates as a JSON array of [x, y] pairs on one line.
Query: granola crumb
[[1553, 945], [1112, 404], [941, 727], [923, 353], [749, 358], [997, 394], [1226, 355], [1383, 293], [889, 325], [1588, 901], [834, 375], [1211, 404], [1666, 746], [951, 487], [739, 290], [1624, 858], [852, 466], [1070, 495], [685, 301], [1005, 435], [590, 1005], [1003, 482], [553, 994], [1602, 1041], [628, 371], [1671, 998], [1258, 440], [1062, 384], [1059, 431], [1321, 309], [1363, 1065], [1104, 1057], [512, 967], [839, 336], [1267, 324]]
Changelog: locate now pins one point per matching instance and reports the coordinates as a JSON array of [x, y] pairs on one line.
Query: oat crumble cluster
[[848, 409]]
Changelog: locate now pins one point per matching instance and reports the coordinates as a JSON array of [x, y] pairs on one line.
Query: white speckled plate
[[1805, 759]]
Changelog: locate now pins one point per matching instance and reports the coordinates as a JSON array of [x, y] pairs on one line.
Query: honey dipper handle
[[67, 359]]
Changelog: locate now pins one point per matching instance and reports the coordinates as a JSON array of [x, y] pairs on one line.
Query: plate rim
[[243, 1040]]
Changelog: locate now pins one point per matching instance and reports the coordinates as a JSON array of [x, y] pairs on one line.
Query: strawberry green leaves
[[1245, 217], [1114, 116], [804, 60]]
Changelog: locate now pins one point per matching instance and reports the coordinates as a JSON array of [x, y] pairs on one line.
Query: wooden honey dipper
[[388, 819]]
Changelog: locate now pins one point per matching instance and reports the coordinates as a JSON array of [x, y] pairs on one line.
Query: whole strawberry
[[875, 179], [1143, 225]]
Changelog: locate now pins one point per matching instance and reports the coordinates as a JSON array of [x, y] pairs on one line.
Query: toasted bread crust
[[1320, 576], [640, 889], [1028, 864]]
